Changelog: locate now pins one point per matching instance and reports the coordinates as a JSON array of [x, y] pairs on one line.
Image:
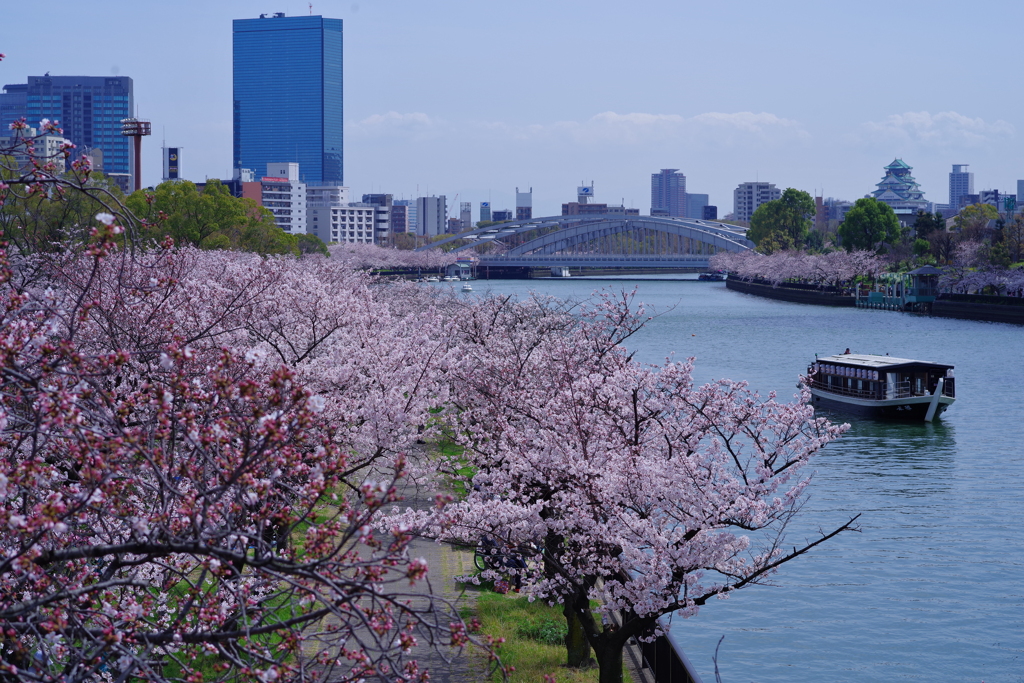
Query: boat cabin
[[879, 377]]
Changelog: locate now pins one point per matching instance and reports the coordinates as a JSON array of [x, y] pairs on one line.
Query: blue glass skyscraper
[[288, 95], [89, 109]]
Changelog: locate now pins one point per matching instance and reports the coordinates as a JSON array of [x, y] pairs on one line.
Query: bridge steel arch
[[598, 241]]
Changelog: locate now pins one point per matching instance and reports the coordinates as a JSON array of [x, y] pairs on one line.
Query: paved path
[[445, 563]]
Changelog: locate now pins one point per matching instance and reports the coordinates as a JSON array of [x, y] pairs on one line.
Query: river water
[[932, 589]]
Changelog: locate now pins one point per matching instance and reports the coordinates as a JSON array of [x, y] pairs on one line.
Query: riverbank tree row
[[200, 450]]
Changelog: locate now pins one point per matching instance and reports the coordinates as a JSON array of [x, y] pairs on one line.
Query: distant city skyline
[[463, 98]]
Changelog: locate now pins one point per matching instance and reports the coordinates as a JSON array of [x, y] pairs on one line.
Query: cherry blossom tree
[[617, 482], [834, 268], [371, 256], [177, 501]]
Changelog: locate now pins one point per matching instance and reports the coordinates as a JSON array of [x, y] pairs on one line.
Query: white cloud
[[945, 128], [392, 123]]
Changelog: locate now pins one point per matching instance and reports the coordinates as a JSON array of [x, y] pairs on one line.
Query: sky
[[475, 98]]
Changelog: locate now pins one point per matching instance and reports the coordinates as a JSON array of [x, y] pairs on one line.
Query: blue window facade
[[89, 109], [288, 95]]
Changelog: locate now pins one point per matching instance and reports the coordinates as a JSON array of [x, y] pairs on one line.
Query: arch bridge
[[599, 241]]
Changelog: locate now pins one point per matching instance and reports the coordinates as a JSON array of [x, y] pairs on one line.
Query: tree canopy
[[211, 219], [927, 223], [974, 219], [782, 223], [869, 224]]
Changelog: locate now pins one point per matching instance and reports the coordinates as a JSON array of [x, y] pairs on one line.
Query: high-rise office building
[[88, 108], [748, 196], [403, 215], [466, 215], [668, 193], [431, 216], [485, 212], [524, 205], [288, 95], [961, 184], [695, 204], [12, 105]]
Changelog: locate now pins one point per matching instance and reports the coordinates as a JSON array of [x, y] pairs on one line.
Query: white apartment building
[[285, 195], [322, 199], [353, 223], [45, 148], [748, 196], [333, 218]]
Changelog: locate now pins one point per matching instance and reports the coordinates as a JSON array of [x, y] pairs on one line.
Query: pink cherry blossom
[[617, 482]]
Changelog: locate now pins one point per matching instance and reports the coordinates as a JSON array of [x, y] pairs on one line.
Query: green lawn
[[532, 633]]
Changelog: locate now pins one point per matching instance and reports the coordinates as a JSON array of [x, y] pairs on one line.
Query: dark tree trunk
[[576, 645], [609, 661]]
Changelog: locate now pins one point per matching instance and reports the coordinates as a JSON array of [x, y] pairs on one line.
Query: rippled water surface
[[932, 589]]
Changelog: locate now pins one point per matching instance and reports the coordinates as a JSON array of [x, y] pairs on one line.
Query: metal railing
[[845, 391], [895, 390], [596, 257]]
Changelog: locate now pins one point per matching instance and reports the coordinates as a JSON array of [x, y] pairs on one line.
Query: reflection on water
[[930, 589], [894, 448]]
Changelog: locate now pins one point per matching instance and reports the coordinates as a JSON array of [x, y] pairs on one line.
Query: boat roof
[[865, 360]]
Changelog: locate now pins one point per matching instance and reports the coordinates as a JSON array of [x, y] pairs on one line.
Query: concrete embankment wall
[[800, 296], [997, 309]]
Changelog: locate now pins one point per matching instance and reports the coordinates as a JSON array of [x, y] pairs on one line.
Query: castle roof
[[898, 186]]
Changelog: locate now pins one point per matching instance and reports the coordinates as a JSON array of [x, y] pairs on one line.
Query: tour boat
[[882, 386], [466, 287]]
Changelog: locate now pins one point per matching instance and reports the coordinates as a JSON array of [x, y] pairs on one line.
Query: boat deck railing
[[896, 390], [843, 391]]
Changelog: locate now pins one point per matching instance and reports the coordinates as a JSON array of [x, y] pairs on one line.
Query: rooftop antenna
[[311, 9]]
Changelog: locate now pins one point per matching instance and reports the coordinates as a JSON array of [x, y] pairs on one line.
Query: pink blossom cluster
[[1002, 281], [194, 450], [614, 481], [833, 268], [197, 449], [372, 256], [971, 273]]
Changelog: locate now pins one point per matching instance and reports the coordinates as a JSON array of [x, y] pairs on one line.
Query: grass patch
[[533, 635]]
